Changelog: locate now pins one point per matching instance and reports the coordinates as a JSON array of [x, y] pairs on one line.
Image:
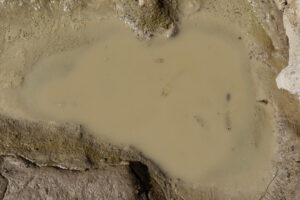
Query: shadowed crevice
[[140, 171], [3, 183]]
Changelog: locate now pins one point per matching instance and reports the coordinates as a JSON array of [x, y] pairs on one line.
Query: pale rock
[[289, 77]]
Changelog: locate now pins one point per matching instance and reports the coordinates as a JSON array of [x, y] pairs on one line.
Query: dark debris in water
[[228, 97], [264, 101], [228, 121], [159, 60], [199, 120]]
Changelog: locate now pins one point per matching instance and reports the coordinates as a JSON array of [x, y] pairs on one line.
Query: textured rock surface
[[147, 17], [270, 19], [289, 77], [27, 181]]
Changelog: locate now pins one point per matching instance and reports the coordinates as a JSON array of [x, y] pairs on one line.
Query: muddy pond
[[187, 103]]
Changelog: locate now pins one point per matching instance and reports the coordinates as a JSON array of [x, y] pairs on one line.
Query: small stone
[[141, 3]]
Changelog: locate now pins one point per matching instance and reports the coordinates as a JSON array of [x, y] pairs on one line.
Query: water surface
[[186, 103]]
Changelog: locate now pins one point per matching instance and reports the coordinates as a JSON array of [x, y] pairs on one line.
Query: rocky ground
[[48, 160], [22, 179]]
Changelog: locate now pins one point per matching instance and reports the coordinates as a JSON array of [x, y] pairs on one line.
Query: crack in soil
[[6, 186]]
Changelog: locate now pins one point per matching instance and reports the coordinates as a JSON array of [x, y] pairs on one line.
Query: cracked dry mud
[[49, 160]]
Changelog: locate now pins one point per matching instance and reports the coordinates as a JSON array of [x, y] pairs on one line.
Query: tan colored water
[[186, 103]]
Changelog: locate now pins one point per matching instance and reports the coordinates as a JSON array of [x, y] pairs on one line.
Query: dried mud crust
[[66, 148]]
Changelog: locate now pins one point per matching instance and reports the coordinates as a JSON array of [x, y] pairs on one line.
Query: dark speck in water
[[199, 120], [159, 60], [228, 97], [165, 92], [228, 121], [264, 101]]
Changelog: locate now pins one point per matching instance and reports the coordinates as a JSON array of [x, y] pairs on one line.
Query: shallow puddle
[[186, 103]]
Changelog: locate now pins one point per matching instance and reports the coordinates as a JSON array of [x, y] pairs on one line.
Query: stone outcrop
[[147, 17], [27, 181], [289, 77]]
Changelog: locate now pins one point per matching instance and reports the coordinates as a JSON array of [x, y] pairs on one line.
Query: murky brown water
[[186, 103]]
